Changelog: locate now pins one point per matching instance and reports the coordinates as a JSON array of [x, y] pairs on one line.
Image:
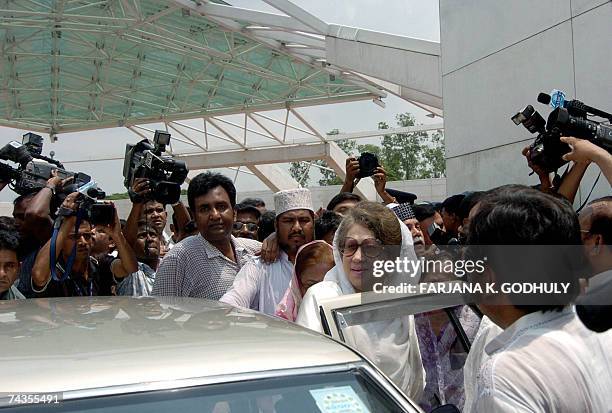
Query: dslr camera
[[165, 175], [368, 162], [34, 169], [569, 118]]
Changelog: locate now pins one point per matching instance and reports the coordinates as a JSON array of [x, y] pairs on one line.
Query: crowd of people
[[505, 356]]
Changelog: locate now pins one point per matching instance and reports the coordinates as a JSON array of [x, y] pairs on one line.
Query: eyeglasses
[[250, 226], [86, 235], [370, 247]]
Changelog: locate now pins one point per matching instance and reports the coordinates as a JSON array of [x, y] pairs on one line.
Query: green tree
[[434, 165], [404, 156], [300, 171]]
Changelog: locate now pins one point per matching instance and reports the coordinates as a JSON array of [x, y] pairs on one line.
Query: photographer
[[33, 215], [353, 177], [153, 212], [77, 273]]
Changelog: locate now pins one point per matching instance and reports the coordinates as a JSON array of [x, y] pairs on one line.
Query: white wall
[[496, 57]]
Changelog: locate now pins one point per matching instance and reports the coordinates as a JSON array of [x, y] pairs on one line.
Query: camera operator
[[352, 179], [154, 213], [77, 273], [33, 215], [585, 151]]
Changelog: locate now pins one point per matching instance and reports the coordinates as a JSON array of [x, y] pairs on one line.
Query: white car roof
[[69, 344]]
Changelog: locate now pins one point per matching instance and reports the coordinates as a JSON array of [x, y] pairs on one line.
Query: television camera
[[165, 175], [568, 118]]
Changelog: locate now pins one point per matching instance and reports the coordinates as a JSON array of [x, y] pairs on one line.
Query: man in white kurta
[[261, 286]]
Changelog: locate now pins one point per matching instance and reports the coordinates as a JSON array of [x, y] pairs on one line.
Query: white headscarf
[[337, 274], [391, 345]]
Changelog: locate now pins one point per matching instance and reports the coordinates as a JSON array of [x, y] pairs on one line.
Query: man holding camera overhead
[[364, 166], [63, 266]]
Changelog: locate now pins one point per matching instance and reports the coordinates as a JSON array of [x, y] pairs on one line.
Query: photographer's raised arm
[[127, 263], [380, 182], [37, 217], [352, 173], [571, 181], [140, 189], [41, 272], [583, 150], [181, 214], [545, 182]]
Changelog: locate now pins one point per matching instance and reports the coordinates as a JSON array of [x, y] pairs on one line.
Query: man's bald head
[[596, 218]]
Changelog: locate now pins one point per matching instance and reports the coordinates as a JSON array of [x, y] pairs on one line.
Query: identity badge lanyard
[[72, 257]]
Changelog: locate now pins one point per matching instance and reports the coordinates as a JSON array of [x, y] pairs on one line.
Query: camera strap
[[53, 245]]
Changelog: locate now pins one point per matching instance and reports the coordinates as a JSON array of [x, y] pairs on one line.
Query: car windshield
[[350, 391]]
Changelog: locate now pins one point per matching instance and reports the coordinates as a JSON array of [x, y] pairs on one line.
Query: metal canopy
[[71, 65]]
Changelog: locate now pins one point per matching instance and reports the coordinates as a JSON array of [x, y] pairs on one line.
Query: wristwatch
[[52, 188]]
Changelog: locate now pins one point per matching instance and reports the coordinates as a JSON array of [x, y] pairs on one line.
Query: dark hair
[[174, 221], [266, 225], [515, 218], [207, 181], [255, 202], [451, 204], [21, 198], [341, 197], [7, 224], [601, 221], [242, 207], [377, 218], [9, 240], [423, 211], [468, 203], [327, 222]]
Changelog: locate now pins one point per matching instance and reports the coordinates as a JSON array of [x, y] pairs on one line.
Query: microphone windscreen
[[544, 98]]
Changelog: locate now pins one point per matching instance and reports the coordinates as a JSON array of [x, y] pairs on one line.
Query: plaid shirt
[[195, 268]]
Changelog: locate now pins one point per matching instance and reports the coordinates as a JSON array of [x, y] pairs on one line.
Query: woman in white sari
[[391, 345]]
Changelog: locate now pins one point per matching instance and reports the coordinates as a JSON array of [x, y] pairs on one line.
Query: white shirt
[[477, 356], [260, 286], [546, 362], [391, 345]]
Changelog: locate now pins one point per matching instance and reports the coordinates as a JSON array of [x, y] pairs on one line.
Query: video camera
[[34, 169], [96, 212], [569, 118], [165, 174]]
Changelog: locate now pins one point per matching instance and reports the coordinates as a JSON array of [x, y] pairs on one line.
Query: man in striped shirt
[[205, 265]]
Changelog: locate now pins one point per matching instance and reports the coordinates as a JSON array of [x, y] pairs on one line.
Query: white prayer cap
[[292, 199]]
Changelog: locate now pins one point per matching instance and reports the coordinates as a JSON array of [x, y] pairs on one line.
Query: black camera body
[[570, 119], [94, 211], [165, 174], [368, 162], [34, 169]]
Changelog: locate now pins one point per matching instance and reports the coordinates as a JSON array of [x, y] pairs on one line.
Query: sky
[[414, 18]]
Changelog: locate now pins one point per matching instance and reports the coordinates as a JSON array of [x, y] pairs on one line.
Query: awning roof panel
[[75, 65]]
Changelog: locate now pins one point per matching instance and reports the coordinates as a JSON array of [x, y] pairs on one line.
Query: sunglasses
[[370, 247], [237, 226]]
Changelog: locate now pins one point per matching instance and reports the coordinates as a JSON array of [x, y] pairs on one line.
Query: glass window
[[350, 391]]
